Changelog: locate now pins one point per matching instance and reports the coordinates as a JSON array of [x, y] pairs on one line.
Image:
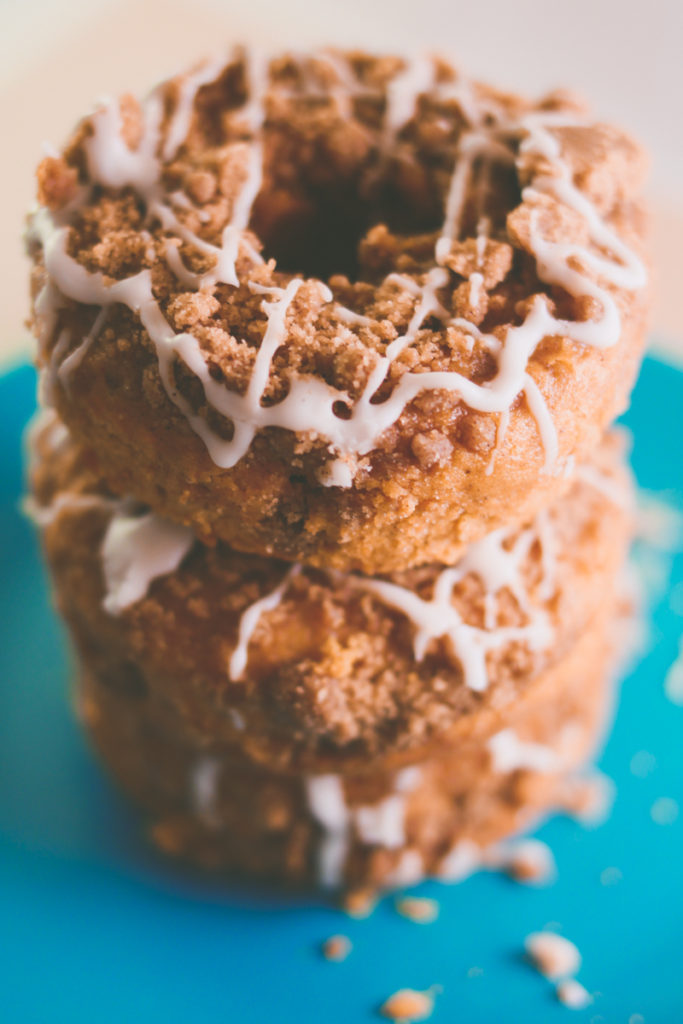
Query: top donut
[[348, 310]]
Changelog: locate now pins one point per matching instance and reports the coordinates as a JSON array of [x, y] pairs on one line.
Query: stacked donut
[[329, 349]]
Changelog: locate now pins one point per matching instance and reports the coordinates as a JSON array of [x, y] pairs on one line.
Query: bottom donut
[[437, 816]]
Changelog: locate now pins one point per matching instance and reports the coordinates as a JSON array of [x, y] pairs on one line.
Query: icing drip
[[249, 622], [606, 485], [136, 550], [309, 405], [65, 367], [403, 92], [409, 870], [380, 824], [204, 785], [326, 802], [45, 515], [510, 754], [462, 860], [497, 566]]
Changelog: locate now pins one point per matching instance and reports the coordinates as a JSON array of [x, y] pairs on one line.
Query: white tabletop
[[56, 57]]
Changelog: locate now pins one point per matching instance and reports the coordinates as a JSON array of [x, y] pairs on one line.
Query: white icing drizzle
[[65, 367], [606, 485], [408, 870], [45, 515], [136, 550], [380, 824], [249, 621], [510, 754], [403, 92], [204, 785], [309, 403], [462, 860], [498, 568], [327, 804], [497, 565], [237, 719], [45, 426]]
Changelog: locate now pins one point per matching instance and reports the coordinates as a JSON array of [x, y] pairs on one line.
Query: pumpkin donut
[[311, 670], [445, 817], [350, 311]]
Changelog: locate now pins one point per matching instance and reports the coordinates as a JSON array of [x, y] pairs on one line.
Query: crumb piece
[[552, 955], [408, 1005], [571, 993], [636, 1018], [461, 861], [57, 182], [360, 903], [475, 972], [664, 811], [530, 861], [643, 764], [418, 909], [590, 799], [610, 876], [431, 449], [336, 948]]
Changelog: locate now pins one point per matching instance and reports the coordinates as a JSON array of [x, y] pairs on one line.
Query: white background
[[57, 57]]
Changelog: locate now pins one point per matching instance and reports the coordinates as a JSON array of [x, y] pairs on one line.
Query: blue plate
[[94, 929]]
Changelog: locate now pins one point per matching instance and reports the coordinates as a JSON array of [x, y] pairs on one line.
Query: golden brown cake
[[445, 817], [311, 670], [346, 310]]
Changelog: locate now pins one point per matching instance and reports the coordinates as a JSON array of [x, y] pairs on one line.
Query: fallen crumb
[[552, 955], [610, 876], [571, 993], [592, 799], [360, 903], [336, 948], [475, 972], [636, 1018], [418, 909], [531, 862], [407, 1005], [664, 811]]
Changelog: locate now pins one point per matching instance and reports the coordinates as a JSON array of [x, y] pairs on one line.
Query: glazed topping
[[510, 754], [136, 550], [496, 560], [139, 547], [380, 824], [496, 600], [409, 120]]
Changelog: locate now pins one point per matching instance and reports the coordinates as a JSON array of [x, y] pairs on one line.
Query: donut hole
[[316, 236], [323, 230]]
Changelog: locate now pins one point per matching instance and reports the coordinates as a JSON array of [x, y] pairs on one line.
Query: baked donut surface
[[346, 310], [212, 807], [324, 671]]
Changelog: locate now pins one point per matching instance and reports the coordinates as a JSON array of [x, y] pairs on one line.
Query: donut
[[343, 310], [446, 817], [312, 670]]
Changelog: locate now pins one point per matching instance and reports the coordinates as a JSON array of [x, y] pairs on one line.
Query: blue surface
[[94, 929]]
